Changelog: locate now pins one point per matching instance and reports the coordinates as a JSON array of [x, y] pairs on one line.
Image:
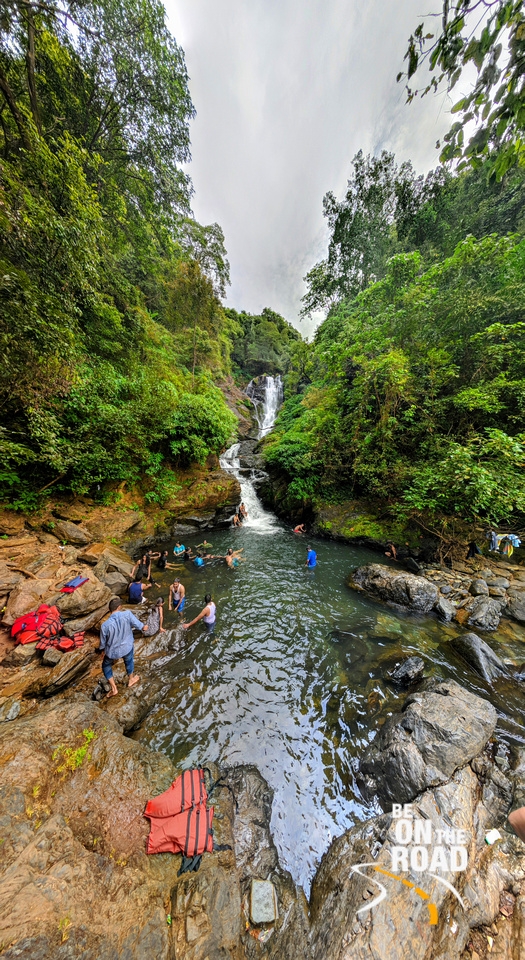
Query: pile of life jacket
[[181, 821], [45, 627]]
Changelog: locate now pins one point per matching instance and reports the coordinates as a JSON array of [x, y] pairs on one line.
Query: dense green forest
[[413, 392], [264, 343], [111, 325], [112, 328]]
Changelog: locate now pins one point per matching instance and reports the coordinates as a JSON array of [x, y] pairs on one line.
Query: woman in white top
[[207, 615]]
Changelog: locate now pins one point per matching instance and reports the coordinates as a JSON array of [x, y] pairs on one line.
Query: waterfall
[[266, 407]]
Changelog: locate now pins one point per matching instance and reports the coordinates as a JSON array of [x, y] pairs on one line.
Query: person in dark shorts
[[135, 590]]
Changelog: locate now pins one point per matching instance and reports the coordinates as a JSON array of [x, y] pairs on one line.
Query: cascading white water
[[258, 518], [272, 401], [266, 409]]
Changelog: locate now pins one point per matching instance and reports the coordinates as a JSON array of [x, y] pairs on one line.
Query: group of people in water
[[116, 636], [142, 579]]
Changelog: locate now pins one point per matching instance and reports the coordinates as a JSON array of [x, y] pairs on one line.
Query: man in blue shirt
[[311, 560], [117, 641]]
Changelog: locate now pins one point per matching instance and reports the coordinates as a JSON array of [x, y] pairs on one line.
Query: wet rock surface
[[393, 586], [465, 594], [409, 671], [439, 731], [480, 656]]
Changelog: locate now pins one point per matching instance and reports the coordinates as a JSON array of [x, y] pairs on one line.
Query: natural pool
[[293, 680]]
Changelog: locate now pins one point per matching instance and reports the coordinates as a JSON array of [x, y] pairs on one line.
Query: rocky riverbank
[[475, 593], [75, 880]]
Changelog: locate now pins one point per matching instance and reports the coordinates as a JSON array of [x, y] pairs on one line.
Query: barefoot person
[[177, 596], [207, 615], [117, 642], [300, 528]]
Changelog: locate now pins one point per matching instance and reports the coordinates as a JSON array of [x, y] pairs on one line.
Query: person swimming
[[232, 557], [178, 549]]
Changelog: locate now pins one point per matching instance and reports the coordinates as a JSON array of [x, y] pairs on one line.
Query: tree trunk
[[30, 66], [15, 113]]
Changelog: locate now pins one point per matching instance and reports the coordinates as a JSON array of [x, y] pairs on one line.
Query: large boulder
[[116, 582], [516, 609], [72, 665], [72, 532], [90, 620], [395, 586], [11, 523], [407, 672], [92, 595], [28, 595], [445, 609], [480, 656], [479, 588], [484, 614], [75, 836], [9, 578], [114, 559], [438, 731]]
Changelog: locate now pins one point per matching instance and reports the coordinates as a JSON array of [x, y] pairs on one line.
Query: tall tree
[[363, 234]]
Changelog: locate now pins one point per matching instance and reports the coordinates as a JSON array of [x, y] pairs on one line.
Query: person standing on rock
[[117, 643], [177, 596], [207, 615], [243, 511]]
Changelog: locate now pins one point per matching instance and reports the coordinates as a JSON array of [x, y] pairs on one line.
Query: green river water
[[293, 680]]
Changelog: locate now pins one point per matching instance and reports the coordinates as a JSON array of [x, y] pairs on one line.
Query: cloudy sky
[[286, 92]]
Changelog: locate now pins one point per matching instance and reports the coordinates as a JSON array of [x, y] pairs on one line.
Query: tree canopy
[[111, 328], [413, 391], [489, 35]]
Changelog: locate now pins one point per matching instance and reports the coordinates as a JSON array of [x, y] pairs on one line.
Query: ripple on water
[[293, 680]]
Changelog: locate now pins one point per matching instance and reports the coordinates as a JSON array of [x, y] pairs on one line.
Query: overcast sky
[[286, 92]]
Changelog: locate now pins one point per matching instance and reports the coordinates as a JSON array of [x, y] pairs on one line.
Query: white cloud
[[286, 92]]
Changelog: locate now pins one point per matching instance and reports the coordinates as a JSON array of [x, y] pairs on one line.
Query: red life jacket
[[180, 820], [38, 625], [189, 832], [185, 792]]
